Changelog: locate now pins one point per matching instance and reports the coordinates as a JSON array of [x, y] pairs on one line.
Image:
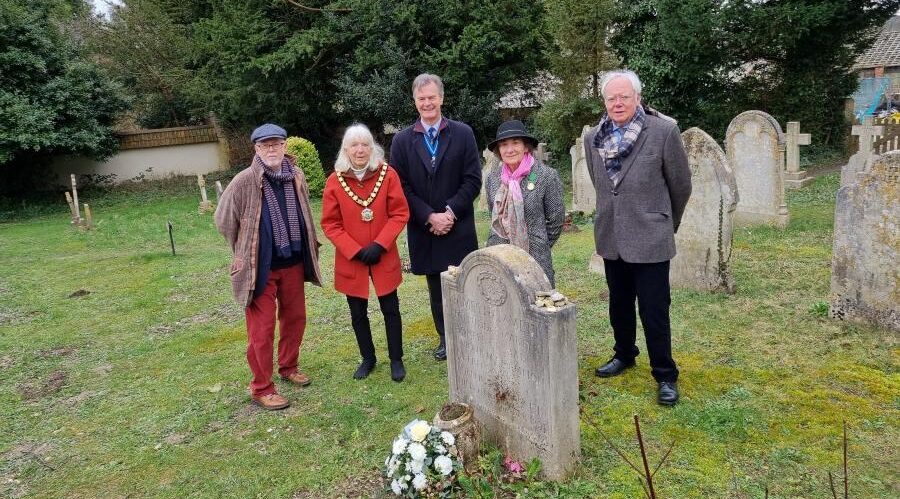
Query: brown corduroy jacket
[[237, 218]]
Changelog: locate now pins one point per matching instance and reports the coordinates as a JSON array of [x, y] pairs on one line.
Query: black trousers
[[437, 301], [359, 317], [649, 283]]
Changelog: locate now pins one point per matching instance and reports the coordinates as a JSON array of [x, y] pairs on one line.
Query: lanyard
[[432, 147]]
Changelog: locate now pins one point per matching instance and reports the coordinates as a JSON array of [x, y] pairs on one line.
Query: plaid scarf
[[283, 244], [612, 150], [508, 218]]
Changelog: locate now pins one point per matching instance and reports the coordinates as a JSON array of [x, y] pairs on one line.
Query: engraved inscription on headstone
[[703, 240], [515, 363], [865, 274], [755, 149]]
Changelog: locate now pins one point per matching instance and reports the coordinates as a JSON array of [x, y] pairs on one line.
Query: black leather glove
[[371, 254]]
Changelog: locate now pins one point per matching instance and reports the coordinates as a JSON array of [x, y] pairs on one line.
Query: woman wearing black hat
[[524, 196]]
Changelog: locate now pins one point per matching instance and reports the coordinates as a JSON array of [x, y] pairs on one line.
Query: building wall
[[153, 154]]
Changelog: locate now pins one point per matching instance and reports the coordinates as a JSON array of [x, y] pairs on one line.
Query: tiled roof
[[885, 51]]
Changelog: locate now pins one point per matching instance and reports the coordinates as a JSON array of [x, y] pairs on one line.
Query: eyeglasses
[[270, 147], [612, 99]]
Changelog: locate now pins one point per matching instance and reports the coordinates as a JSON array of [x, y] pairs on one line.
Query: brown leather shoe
[[298, 378], [271, 402]]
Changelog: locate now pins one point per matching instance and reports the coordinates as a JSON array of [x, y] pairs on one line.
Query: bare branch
[[831, 485], [846, 479], [666, 455], [647, 476], [611, 444], [315, 9]]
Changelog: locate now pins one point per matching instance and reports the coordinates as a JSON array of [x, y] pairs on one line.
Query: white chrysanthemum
[[440, 449], [419, 430], [419, 482], [416, 466], [417, 451], [448, 438], [392, 465], [400, 445], [443, 465], [406, 478], [395, 488]]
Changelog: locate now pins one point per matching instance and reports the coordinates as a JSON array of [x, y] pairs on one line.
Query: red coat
[[343, 225]]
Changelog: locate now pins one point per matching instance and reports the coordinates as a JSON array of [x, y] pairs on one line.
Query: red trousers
[[284, 288]]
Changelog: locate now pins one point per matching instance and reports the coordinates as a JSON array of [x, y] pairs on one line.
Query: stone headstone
[[584, 197], [794, 177], [541, 153], [205, 205], [754, 144], [77, 217], [490, 159], [703, 240], [219, 190], [514, 362], [865, 266], [867, 133]]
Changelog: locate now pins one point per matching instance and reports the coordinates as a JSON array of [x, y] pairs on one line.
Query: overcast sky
[[102, 6]]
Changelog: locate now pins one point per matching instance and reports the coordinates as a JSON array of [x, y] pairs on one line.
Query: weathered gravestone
[[867, 133], [754, 144], [490, 159], [703, 240], [865, 266], [794, 177], [205, 205], [541, 154], [584, 197], [515, 363]]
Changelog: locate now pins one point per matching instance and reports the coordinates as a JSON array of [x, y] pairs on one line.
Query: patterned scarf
[[283, 244], [611, 149], [508, 218]]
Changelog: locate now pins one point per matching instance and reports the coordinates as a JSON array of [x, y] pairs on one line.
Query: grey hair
[[426, 78], [356, 131], [631, 76]]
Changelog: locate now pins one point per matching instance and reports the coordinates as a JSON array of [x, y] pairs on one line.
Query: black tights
[[359, 316]]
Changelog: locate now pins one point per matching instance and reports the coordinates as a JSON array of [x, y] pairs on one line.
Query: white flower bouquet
[[423, 462]]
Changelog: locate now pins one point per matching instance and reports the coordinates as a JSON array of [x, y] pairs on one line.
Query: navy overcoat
[[455, 181]]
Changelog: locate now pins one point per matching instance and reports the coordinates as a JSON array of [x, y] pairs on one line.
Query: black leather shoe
[[398, 372], [668, 393], [612, 368], [440, 353], [365, 367]]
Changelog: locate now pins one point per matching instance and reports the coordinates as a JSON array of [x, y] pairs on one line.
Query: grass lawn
[[138, 388]]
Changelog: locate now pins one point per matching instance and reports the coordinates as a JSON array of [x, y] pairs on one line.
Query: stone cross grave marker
[[205, 205], [703, 240], [541, 153], [489, 161], [584, 197], [867, 133], [755, 149], [865, 267], [513, 361], [794, 178]]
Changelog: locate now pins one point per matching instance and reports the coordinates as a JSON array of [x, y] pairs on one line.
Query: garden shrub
[[308, 160]]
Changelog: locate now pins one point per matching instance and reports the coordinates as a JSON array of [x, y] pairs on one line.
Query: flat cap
[[268, 131]]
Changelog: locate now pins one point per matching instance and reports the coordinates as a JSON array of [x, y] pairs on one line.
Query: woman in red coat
[[363, 212]]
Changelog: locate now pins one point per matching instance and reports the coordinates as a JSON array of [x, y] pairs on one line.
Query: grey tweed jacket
[[636, 220], [545, 212]]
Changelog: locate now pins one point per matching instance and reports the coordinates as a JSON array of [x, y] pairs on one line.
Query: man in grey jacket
[[640, 171]]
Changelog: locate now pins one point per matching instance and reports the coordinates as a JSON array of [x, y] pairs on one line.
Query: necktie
[[432, 133]]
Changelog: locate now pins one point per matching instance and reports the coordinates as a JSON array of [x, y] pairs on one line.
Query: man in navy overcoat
[[440, 168]]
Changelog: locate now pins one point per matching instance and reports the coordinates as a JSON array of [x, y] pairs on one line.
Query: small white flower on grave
[[419, 482], [419, 430], [406, 478], [417, 451], [395, 487], [416, 467], [448, 438], [400, 445], [440, 449], [443, 465]]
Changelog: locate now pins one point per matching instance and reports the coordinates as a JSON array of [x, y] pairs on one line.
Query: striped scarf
[[281, 230], [611, 149]]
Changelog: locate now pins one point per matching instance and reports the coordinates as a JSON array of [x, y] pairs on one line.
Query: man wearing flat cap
[[264, 215]]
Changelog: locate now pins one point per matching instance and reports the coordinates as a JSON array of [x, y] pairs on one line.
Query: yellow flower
[[419, 431]]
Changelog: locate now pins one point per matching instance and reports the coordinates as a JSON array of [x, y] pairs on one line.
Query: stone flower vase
[[459, 419]]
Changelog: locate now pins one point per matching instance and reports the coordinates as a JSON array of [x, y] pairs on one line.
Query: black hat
[[513, 129]]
